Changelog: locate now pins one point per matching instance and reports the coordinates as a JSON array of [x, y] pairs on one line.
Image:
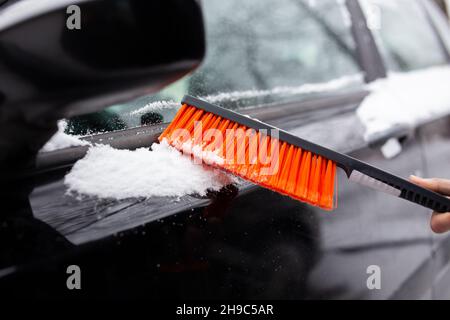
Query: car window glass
[[258, 52], [404, 34], [441, 23]]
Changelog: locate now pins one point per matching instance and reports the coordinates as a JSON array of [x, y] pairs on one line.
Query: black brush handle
[[390, 183], [356, 170]]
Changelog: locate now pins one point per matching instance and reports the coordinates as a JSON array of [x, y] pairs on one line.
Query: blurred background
[[443, 5]]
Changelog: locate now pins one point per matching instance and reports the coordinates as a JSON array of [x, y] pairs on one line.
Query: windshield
[[258, 52]]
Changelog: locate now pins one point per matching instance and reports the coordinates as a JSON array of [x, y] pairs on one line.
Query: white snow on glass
[[307, 88], [61, 140], [155, 106], [106, 172], [406, 99]]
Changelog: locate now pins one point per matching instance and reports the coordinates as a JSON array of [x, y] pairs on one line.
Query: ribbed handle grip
[[388, 183], [441, 204]]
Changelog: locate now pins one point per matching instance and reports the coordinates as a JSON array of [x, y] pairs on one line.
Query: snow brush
[[297, 168]]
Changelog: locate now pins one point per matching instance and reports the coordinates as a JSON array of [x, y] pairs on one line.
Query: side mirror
[[123, 49], [52, 66]]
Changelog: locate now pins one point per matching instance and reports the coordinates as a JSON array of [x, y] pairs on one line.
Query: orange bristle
[[246, 152]]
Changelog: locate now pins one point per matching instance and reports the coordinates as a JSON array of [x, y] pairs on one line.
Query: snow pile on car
[[405, 99], [106, 172], [61, 140]]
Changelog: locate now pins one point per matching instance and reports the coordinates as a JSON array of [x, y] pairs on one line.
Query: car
[[308, 67]]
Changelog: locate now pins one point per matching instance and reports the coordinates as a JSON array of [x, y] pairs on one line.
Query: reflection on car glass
[[261, 54], [393, 23], [252, 96]]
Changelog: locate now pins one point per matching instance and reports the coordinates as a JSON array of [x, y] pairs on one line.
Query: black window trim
[[425, 4], [367, 50]]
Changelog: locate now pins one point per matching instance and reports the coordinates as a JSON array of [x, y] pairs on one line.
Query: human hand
[[440, 222]]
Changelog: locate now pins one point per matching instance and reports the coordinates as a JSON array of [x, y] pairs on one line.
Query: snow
[[61, 140], [200, 155], [310, 88], [332, 85], [391, 148], [106, 172], [406, 100], [346, 18], [155, 106]]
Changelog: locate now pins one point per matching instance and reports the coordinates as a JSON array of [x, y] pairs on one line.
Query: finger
[[441, 186], [440, 222]]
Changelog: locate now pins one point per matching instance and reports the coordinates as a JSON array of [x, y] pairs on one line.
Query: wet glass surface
[[258, 53], [403, 31]]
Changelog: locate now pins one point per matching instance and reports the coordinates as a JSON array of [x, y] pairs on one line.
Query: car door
[[420, 25], [435, 136], [296, 65], [232, 244]]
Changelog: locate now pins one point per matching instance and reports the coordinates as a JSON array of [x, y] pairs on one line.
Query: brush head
[[253, 151]]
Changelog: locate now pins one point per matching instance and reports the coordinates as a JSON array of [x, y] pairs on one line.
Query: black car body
[[246, 241]]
